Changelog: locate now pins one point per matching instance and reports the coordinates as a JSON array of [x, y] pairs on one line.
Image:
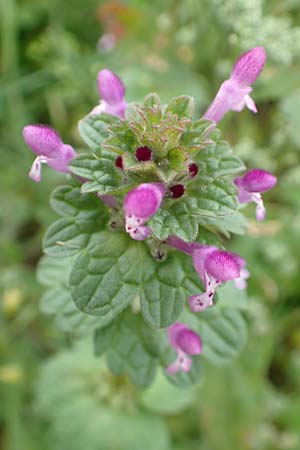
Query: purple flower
[[140, 204], [185, 342], [250, 187], [214, 267], [47, 144], [234, 93], [112, 91]]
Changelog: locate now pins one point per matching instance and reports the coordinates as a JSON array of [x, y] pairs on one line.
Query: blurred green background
[[54, 395]]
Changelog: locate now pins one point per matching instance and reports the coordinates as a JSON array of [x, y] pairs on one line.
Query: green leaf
[[68, 201], [106, 277], [93, 129], [53, 271], [114, 270], [69, 235], [233, 223], [120, 139], [57, 300], [162, 397], [178, 220], [224, 333], [83, 214], [197, 133], [133, 348], [218, 160], [182, 106], [163, 297], [152, 100], [215, 197], [212, 198], [103, 173]]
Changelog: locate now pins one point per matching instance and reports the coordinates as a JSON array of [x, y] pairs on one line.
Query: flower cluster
[[214, 266]]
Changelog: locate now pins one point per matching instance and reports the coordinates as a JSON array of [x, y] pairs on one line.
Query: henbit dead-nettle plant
[[137, 257]]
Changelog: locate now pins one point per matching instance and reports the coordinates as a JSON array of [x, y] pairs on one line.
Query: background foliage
[[51, 391]]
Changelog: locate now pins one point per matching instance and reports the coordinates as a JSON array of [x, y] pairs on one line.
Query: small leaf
[[103, 173], [133, 348], [197, 133], [152, 100], [209, 200], [69, 235], [224, 333], [57, 300], [162, 296], [215, 198], [176, 220], [83, 215], [53, 272], [218, 159], [67, 201], [177, 159], [183, 106], [93, 129], [107, 276], [233, 223]]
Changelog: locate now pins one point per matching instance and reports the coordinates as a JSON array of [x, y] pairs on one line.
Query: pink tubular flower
[[112, 91], [234, 93], [214, 267], [251, 185], [185, 342], [140, 204], [47, 144]]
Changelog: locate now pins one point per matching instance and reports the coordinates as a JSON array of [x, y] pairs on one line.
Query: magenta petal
[[116, 109], [144, 201], [248, 66], [61, 163], [241, 263], [173, 331], [230, 96], [189, 342], [179, 244], [258, 180], [110, 87], [42, 140], [221, 265], [198, 254]]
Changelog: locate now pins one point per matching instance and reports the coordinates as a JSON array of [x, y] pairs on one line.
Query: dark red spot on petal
[[177, 190], [193, 169], [119, 162], [143, 153]]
